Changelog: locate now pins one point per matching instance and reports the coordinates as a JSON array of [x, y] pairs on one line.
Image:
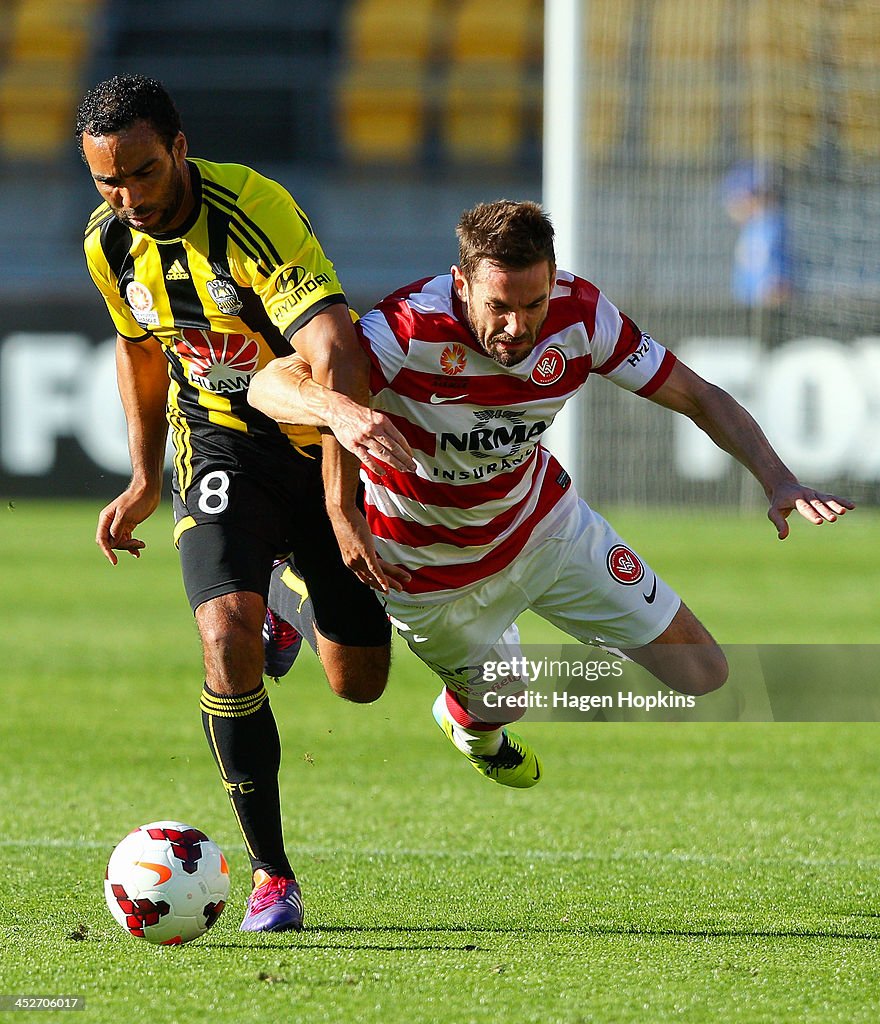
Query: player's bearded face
[[506, 308], [146, 185]]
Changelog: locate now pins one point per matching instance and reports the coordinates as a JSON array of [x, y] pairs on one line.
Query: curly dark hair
[[513, 235], [117, 103]]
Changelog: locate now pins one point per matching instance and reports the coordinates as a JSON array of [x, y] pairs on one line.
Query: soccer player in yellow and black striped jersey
[[209, 271]]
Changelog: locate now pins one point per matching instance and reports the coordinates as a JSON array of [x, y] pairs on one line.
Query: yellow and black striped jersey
[[223, 296]]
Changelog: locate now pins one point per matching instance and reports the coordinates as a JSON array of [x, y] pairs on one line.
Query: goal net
[[731, 206]]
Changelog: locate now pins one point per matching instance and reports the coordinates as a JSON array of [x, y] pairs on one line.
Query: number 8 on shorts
[[214, 492]]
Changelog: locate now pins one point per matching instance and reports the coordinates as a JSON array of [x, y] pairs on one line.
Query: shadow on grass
[[368, 946], [588, 930]]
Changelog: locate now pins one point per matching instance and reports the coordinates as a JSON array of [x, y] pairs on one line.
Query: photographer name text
[[562, 699]]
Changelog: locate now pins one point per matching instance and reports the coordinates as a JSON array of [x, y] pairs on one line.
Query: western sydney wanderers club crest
[[218, 362], [549, 368], [624, 565]]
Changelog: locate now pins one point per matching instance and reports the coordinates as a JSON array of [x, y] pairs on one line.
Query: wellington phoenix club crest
[[218, 362], [225, 295], [624, 565]]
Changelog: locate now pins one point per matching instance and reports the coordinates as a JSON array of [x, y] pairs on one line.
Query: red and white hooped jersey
[[486, 488]]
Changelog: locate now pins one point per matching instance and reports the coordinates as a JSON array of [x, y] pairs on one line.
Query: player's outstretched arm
[[286, 391], [735, 431], [142, 376]]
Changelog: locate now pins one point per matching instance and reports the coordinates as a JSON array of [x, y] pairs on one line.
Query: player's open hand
[[359, 552], [372, 437], [815, 507], [118, 520]]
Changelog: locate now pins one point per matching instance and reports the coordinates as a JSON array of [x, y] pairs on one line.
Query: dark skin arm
[[142, 377], [328, 343], [284, 389]]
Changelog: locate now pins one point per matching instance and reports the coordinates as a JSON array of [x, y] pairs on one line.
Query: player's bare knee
[[232, 646], [223, 635], [694, 668], [357, 674], [706, 671], [359, 689], [685, 656]]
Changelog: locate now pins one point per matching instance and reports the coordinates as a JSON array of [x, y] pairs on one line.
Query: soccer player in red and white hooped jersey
[[471, 368], [486, 489]]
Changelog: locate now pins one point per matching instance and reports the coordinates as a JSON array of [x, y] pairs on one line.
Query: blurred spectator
[[762, 266]]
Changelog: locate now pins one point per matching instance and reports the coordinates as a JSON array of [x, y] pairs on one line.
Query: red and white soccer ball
[[166, 882]]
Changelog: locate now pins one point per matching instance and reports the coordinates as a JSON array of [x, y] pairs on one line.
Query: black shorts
[[232, 526]]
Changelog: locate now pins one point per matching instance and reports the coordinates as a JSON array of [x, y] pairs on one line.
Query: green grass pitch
[[660, 872]]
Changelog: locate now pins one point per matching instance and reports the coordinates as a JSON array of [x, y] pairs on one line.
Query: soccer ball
[[166, 882]]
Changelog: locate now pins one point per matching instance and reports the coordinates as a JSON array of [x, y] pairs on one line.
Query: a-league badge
[[140, 301], [453, 359]]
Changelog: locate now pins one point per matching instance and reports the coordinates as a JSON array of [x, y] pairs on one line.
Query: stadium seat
[[860, 121], [684, 120], [782, 32], [782, 106], [483, 33], [383, 93], [609, 31], [48, 43], [857, 34], [856, 40], [609, 34], [684, 57], [491, 96], [780, 115], [51, 29], [418, 72], [486, 113], [7, 7], [687, 31], [605, 117], [391, 30], [381, 108], [35, 113]]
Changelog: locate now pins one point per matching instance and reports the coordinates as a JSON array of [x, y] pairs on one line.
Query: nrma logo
[[216, 362], [498, 433]]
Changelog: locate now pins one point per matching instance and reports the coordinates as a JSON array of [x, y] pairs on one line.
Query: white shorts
[[583, 578]]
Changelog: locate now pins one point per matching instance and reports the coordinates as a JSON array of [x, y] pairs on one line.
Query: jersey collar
[[196, 184]]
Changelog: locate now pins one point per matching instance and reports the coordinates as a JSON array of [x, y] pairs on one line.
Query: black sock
[[243, 737]]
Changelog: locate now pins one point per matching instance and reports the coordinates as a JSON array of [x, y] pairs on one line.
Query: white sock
[[477, 742]]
